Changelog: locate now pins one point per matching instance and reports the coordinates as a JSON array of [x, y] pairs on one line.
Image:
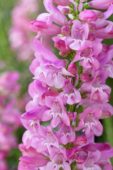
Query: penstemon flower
[[9, 114], [69, 95], [19, 35]]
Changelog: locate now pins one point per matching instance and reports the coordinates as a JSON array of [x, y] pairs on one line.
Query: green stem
[[108, 125]]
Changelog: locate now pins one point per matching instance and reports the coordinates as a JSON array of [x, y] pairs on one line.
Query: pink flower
[[19, 35], [88, 15], [62, 45], [3, 165], [101, 4], [62, 2], [9, 114], [54, 11], [33, 161]]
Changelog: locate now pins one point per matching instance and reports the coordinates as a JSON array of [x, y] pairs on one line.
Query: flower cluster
[[19, 35], [69, 95], [9, 114]]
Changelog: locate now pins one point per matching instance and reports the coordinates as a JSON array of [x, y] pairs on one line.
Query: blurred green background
[[8, 57]]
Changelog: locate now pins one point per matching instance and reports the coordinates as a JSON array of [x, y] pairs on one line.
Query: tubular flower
[[69, 95]]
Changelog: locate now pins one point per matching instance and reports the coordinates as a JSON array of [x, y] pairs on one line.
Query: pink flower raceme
[[19, 35], [69, 95], [9, 114]]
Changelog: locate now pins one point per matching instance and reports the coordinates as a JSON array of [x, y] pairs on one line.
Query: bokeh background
[[10, 62]]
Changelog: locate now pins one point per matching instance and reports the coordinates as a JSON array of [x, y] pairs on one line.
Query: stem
[[108, 125]]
